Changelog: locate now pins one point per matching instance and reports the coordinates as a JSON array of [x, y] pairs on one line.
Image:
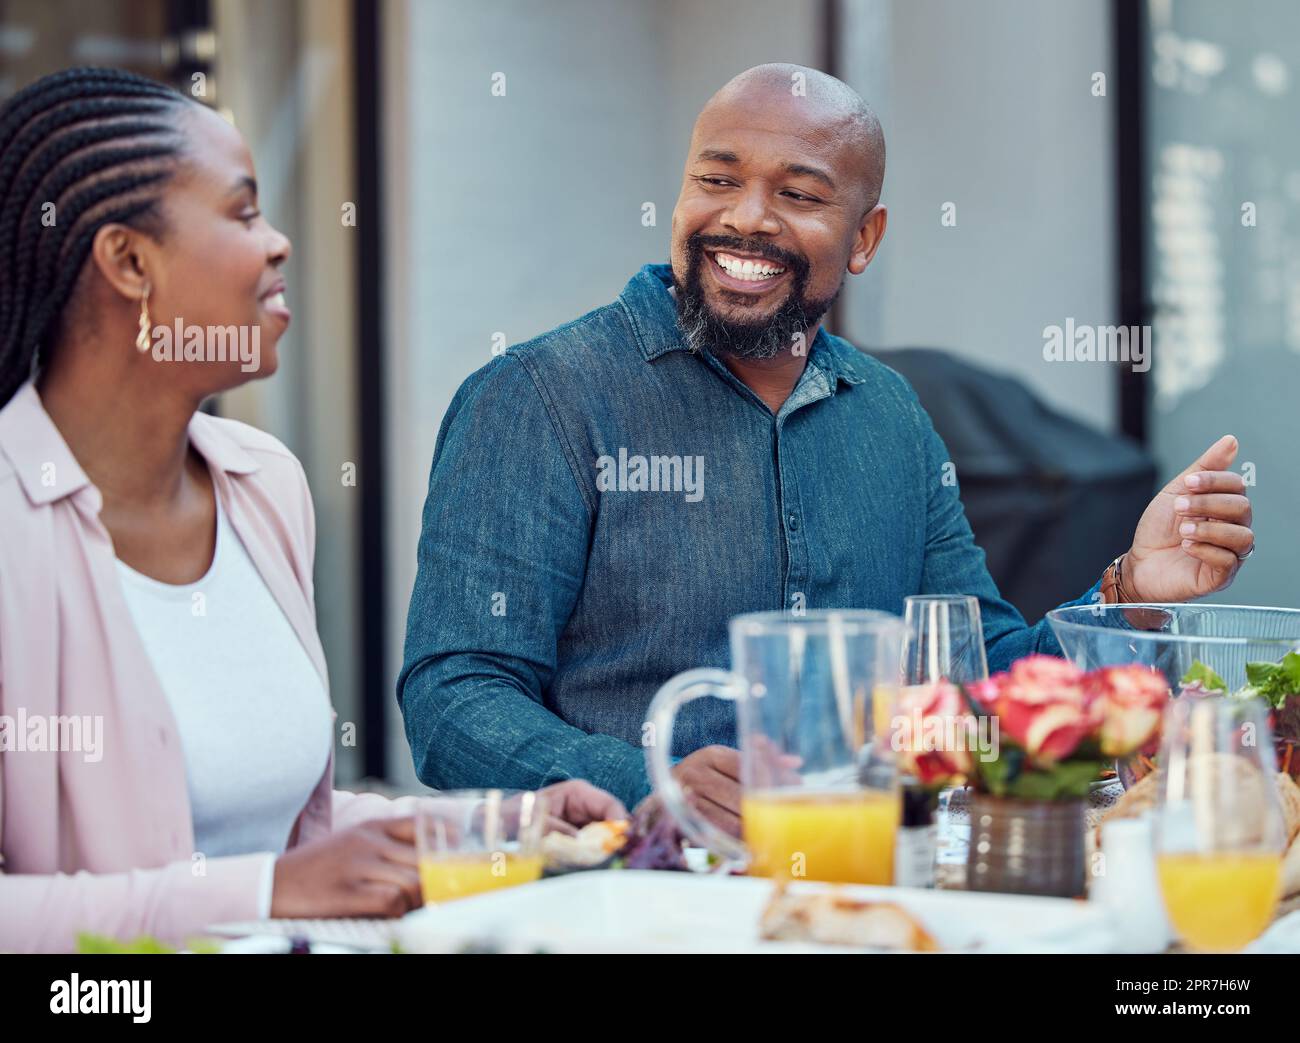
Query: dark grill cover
[[1051, 500]]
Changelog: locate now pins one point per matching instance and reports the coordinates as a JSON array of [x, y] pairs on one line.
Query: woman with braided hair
[[166, 740]]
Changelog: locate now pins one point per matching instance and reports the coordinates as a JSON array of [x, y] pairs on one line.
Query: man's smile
[[745, 273]]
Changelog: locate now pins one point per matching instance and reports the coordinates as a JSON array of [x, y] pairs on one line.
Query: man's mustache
[[757, 247]]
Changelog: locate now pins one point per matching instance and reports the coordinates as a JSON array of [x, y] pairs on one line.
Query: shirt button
[[793, 522]]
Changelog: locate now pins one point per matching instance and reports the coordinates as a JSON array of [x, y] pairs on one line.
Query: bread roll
[[1291, 871], [1288, 795]]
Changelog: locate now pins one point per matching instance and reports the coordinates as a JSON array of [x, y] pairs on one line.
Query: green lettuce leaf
[[1201, 674], [1275, 682]]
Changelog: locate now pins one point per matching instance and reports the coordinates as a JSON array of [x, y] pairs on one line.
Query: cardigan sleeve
[[45, 912]]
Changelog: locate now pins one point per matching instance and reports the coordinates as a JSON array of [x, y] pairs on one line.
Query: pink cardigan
[[106, 845]]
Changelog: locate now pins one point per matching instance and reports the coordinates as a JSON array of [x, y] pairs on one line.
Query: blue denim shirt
[[554, 595]]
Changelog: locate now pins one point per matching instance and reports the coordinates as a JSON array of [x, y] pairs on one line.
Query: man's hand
[[577, 802], [1192, 538], [711, 779]]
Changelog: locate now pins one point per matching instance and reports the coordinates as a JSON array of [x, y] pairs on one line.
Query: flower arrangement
[[1043, 730]]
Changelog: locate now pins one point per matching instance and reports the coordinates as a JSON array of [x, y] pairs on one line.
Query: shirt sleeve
[[955, 564], [46, 912], [501, 562]]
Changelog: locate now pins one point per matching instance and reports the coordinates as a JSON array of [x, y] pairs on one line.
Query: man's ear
[[870, 232], [116, 253]]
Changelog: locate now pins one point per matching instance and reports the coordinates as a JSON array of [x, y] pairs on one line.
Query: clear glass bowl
[[1173, 637]]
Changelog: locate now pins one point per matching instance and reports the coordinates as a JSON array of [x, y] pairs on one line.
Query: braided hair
[[81, 149]]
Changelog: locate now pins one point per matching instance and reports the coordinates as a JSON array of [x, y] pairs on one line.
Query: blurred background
[[457, 176]]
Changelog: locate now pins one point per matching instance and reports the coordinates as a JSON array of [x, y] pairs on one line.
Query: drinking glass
[[1219, 826], [470, 841], [943, 641]]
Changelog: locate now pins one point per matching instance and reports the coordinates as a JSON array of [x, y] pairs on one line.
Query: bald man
[[605, 497]]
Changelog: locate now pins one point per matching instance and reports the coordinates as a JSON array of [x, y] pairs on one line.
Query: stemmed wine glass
[[943, 640]]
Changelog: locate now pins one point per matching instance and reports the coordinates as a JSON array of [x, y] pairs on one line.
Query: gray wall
[[989, 106]]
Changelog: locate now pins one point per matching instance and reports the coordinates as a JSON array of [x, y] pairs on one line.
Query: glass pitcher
[[819, 789]]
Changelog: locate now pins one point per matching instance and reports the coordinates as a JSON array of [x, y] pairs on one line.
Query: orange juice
[[1220, 902], [843, 836], [445, 877]]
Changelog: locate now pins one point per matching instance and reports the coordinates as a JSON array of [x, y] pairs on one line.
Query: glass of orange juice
[[1219, 826], [471, 841], [819, 793]]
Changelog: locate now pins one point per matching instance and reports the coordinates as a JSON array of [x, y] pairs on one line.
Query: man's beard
[[706, 330]]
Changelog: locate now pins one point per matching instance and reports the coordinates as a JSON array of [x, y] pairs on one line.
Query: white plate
[[640, 911]]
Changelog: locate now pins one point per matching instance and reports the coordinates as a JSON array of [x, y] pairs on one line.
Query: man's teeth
[[747, 271]]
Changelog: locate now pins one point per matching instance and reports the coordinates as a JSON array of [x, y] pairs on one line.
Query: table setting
[[1136, 795]]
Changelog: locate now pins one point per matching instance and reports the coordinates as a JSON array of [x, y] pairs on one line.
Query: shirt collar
[[48, 471], [653, 316], [215, 444]]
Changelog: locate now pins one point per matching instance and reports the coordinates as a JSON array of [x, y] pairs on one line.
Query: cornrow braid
[[82, 148]]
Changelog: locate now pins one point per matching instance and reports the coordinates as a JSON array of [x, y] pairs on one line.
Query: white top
[[252, 712]]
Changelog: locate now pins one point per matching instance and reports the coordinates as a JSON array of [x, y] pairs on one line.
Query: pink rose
[[933, 733], [1129, 701], [1044, 678], [985, 693], [1041, 706]]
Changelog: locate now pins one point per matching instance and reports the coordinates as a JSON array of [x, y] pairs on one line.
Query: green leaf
[[1202, 674], [1275, 682], [1000, 773], [1061, 781], [97, 944], [1258, 673], [1291, 665]]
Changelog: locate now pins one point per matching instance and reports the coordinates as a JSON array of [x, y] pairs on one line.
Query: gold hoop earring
[[146, 324]]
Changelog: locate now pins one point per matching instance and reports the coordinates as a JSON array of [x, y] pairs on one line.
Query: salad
[[1278, 684]]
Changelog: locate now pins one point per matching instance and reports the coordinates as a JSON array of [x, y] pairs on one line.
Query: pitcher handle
[[693, 684]]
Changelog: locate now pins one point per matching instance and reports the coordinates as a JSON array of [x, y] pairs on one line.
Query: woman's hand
[[368, 870]]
